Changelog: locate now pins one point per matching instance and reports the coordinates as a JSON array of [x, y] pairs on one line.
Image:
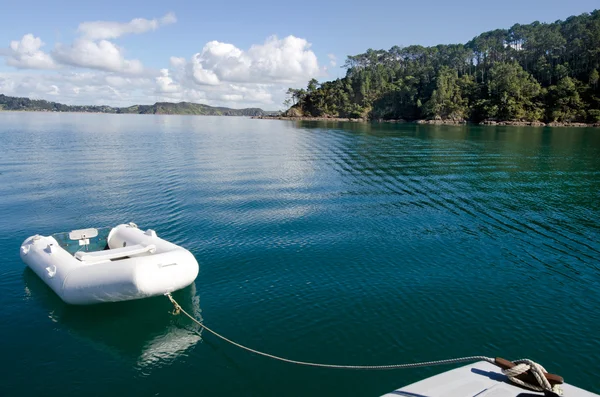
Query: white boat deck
[[480, 379]]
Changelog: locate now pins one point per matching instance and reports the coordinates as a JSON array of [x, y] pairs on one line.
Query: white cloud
[[101, 55], [226, 74], [127, 82], [286, 60], [88, 88], [254, 93], [232, 97], [201, 75], [165, 84], [54, 90], [332, 60], [7, 85], [26, 54], [177, 62], [98, 30], [106, 88], [92, 50], [97, 72], [168, 18]]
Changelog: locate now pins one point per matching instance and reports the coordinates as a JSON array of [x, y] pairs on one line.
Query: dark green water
[[342, 243]]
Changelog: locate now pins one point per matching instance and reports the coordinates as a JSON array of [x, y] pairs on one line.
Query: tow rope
[[524, 372]]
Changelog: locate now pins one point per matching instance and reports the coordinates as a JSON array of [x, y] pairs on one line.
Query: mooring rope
[[523, 366]]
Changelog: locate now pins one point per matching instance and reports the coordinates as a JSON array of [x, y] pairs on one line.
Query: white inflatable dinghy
[[109, 264]]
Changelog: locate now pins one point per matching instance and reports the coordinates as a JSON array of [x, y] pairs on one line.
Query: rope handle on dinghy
[[523, 372]]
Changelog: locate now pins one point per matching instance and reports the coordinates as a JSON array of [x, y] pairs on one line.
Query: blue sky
[[170, 47]]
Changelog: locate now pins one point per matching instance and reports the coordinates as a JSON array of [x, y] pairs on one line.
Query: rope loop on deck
[[537, 370], [523, 366]]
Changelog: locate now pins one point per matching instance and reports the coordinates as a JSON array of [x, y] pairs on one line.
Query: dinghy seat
[[115, 253], [86, 239]]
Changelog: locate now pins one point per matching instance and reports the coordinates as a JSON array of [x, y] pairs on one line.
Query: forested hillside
[[26, 104], [535, 72]]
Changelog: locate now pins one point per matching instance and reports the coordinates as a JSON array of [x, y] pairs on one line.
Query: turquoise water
[[342, 243]]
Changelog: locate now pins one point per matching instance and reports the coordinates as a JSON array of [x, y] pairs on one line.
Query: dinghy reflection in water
[[109, 265], [141, 333]]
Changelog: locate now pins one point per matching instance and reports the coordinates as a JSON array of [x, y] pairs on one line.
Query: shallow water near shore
[[346, 243]]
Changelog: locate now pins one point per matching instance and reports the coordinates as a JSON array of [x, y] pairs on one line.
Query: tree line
[[535, 72], [9, 103]]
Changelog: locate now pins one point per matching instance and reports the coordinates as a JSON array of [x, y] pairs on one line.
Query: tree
[[446, 100], [512, 93], [564, 101], [296, 95], [594, 78]]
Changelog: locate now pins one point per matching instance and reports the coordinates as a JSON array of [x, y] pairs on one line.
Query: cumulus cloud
[[92, 50], [221, 74], [26, 54], [101, 55], [253, 93], [226, 95], [99, 30], [226, 74], [202, 75], [165, 84], [286, 60], [107, 88], [87, 88]]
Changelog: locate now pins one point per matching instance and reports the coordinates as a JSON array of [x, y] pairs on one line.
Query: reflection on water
[[136, 331]]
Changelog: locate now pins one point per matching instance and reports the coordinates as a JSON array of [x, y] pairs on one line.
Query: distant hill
[[25, 104]]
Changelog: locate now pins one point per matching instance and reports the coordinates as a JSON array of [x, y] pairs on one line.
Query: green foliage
[[594, 78], [15, 103], [564, 101], [527, 72], [594, 115], [446, 101], [512, 93], [312, 86]]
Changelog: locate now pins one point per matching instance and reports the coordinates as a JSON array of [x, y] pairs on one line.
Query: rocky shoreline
[[435, 122], [299, 118]]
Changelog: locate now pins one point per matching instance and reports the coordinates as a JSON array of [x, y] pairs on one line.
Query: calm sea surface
[[341, 243]]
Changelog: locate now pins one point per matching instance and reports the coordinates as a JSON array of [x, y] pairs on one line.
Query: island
[[535, 74], [8, 103]]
